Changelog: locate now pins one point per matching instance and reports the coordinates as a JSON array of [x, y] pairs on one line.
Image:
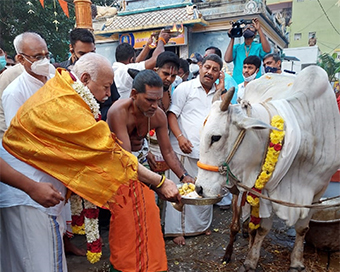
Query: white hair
[[90, 63], [20, 40]]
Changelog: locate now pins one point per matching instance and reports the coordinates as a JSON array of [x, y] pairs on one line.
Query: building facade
[[203, 24], [305, 19]]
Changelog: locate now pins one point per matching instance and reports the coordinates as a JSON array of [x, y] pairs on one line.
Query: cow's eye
[[215, 138]]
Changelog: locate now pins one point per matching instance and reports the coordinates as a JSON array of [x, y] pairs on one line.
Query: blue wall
[[135, 4], [107, 50], [198, 42]]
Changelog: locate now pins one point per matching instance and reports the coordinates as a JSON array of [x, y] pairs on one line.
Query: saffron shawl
[[55, 132]]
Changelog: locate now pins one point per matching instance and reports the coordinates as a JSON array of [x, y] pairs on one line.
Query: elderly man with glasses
[[33, 54]]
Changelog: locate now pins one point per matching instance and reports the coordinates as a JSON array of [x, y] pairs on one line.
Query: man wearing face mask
[[237, 53], [33, 54], [272, 64], [251, 67], [3, 60], [82, 42], [194, 64]]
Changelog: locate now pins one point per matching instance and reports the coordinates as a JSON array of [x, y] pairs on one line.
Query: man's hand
[[169, 191], [151, 161], [220, 85], [256, 23], [185, 145], [165, 34], [188, 179], [45, 194]]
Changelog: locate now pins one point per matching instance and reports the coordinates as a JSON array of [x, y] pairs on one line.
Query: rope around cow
[[224, 169]]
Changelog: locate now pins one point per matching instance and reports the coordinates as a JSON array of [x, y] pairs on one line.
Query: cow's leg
[[296, 257], [254, 252], [234, 228]]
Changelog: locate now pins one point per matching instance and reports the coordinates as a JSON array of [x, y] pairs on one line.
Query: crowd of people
[[123, 136]]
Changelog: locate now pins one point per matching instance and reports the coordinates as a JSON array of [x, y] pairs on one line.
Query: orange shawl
[[55, 131]]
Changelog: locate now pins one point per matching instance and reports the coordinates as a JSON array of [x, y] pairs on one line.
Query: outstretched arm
[[168, 153], [163, 39], [228, 56], [43, 193], [145, 51], [184, 144], [168, 190], [264, 41]]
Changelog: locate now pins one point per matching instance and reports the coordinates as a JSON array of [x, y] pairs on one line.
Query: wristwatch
[[183, 176]]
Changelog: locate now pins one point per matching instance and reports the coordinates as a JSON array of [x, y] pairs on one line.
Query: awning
[[151, 20]]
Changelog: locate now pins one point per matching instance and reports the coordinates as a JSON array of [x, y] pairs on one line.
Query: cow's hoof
[[245, 268], [226, 258], [297, 269]]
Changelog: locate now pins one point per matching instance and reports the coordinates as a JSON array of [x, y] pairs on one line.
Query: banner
[[139, 39]]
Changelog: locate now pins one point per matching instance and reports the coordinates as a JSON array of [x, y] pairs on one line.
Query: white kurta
[[16, 94], [38, 245], [191, 104], [123, 80]]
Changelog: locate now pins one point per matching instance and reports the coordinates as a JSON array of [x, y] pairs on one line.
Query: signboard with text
[[139, 39]]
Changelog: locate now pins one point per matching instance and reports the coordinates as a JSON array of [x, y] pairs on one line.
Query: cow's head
[[218, 136]]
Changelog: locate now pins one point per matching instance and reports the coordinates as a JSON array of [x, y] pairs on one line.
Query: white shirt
[[191, 105], [10, 196], [16, 94], [122, 78]]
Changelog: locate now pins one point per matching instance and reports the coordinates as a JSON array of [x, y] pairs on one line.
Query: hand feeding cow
[[308, 158]]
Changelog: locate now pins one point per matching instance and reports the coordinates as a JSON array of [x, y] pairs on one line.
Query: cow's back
[[313, 104]]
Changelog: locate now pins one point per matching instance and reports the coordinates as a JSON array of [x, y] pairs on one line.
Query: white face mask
[[194, 68], [250, 78], [41, 67]]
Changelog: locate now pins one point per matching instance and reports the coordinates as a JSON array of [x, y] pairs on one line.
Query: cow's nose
[[199, 190]]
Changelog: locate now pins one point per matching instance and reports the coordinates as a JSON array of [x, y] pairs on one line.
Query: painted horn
[[216, 96], [227, 98]]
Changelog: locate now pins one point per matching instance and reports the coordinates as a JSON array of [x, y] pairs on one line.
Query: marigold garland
[[268, 167]]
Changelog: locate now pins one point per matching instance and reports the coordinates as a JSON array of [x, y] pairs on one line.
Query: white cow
[[309, 157]]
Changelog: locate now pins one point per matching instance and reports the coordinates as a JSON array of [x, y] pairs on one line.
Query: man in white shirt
[[251, 66], [191, 103], [34, 57], [126, 58]]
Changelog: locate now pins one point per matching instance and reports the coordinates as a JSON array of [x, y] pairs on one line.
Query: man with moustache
[[191, 103]]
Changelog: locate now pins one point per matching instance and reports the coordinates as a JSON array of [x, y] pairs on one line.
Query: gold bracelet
[[161, 182], [162, 39]]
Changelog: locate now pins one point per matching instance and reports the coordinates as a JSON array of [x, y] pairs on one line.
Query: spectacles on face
[[38, 57]]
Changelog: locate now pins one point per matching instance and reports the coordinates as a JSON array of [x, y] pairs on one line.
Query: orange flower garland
[[273, 152]]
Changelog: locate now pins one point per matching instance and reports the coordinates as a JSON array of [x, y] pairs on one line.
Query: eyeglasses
[[38, 57]]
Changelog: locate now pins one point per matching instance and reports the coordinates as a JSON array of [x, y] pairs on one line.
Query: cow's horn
[[216, 96], [227, 98]]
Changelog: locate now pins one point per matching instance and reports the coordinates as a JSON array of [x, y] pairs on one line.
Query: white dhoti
[[193, 220], [31, 240]]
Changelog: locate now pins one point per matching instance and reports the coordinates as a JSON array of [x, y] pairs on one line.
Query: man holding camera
[[237, 53]]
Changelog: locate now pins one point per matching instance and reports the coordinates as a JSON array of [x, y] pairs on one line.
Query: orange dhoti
[[136, 239]]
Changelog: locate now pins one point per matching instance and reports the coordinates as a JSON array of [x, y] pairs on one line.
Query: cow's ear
[[252, 123]]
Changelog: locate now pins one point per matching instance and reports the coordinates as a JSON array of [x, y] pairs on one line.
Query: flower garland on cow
[[84, 213], [268, 167]]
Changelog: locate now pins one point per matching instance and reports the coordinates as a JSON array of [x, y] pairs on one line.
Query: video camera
[[237, 28]]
